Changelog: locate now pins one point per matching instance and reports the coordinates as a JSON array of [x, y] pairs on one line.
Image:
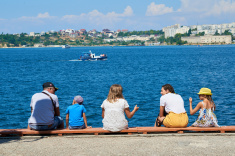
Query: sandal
[[158, 123]]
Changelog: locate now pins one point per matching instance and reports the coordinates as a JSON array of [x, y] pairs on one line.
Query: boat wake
[[75, 60]]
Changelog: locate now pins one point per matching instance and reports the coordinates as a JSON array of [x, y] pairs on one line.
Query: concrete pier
[[137, 144]]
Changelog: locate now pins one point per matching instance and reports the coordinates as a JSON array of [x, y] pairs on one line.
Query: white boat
[[65, 46], [89, 56]]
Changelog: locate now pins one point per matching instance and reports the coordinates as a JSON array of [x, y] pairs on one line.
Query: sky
[[17, 16]]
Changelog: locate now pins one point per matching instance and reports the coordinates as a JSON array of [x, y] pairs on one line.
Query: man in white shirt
[[45, 113]]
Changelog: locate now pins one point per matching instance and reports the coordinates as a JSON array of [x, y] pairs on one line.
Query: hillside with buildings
[[171, 35], [203, 34]]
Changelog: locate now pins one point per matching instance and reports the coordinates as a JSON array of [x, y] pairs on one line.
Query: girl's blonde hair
[[211, 100], [115, 92]]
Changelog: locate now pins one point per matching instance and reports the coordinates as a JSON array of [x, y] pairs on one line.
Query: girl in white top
[[113, 109]]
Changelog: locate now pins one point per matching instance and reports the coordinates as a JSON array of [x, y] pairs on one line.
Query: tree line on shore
[[11, 40]]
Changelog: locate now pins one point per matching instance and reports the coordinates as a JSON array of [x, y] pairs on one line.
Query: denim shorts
[[57, 122], [77, 127]]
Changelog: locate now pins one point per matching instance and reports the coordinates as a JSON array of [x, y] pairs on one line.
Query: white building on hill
[[208, 39], [210, 29], [170, 31], [32, 34]]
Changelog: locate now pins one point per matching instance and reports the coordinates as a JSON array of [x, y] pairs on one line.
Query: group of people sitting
[[45, 113]]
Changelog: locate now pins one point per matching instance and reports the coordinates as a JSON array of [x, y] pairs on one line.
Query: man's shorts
[[57, 122]]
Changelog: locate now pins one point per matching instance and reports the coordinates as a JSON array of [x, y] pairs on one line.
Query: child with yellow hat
[[206, 117]]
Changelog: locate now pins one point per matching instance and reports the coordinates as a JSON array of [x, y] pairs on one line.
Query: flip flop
[[158, 123]]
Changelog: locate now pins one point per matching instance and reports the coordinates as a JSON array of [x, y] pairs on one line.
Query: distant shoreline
[[60, 46]]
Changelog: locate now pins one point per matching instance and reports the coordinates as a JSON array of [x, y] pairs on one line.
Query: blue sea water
[[140, 70]]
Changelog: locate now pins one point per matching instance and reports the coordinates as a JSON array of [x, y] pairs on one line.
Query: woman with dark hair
[[172, 113]]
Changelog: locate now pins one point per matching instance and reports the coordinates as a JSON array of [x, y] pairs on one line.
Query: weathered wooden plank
[[97, 131]]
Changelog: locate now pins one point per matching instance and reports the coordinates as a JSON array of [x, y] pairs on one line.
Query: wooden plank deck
[[97, 131], [146, 130]]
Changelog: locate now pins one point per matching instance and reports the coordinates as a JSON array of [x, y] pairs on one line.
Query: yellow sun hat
[[205, 91]]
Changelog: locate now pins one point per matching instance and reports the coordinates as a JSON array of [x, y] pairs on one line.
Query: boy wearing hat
[[75, 114]]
